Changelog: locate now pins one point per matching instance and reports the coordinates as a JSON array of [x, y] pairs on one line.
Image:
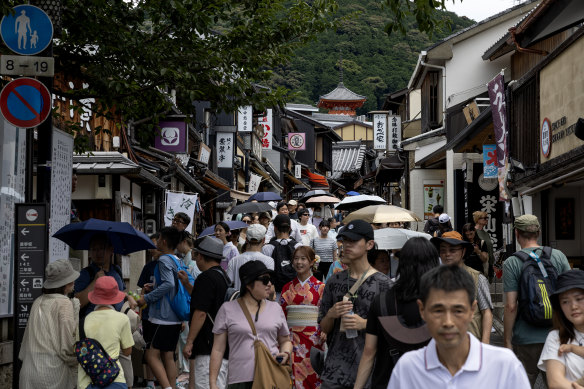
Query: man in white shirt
[[454, 358], [255, 241], [307, 230], [282, 209]]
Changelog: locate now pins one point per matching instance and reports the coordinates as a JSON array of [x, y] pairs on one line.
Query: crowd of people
[[323, 301]]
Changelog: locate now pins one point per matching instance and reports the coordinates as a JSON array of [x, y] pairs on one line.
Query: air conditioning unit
[[150, 203], [149, 226]]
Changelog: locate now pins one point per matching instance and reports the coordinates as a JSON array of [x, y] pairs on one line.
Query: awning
[[468, 137], [189, 180], [239, 195], [347, 157], [390, 169], [216, 181], [259, 169], [296, 181], [316, 178]]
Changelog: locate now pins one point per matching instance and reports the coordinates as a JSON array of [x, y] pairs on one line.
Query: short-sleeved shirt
[[237, 262], [230, 319], [523, 332], [85, 279], [474, 260], [324, 248], [229, 252], [409, 315], [207, 296], [483, 294], [342, 362], [573, 363], [112, 330], [486, 366], [308, 232]]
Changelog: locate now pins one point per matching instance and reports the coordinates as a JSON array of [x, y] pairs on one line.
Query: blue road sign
[[28, 32]]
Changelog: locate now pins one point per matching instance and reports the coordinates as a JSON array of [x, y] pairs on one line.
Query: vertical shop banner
[[225, 149], [296, 141], [433, 195], [267, 123], [244, 118], [496, 90], [254, 183], [380, 131], [490, 169], [180, 202], [297, 171], [395, 134], [12, 182], [61, 175], [171, 136]]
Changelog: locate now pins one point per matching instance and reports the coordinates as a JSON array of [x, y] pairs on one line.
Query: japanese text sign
[[225, 149], [490, 169], [267, 122], [180, 202], [296, 141], [379, 131], [394, 132], [244, 119]]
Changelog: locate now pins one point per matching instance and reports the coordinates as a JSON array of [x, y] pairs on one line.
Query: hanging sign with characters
[[267, 123], [179, 202], [225, 149], [380, 131], [296, 141], [490, 169], [394, 132], [244, 118]]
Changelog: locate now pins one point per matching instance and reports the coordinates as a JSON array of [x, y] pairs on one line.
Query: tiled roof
[[347, 157], [342, 93]]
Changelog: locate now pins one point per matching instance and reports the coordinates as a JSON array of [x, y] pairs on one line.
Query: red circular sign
[[25, 102]]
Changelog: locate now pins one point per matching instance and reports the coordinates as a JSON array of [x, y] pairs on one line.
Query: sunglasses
[[264, 279]]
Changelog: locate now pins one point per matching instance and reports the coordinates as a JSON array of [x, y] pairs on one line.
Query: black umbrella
[[251, 208]]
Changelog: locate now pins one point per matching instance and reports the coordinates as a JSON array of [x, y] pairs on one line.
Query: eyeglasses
[[264, 280]]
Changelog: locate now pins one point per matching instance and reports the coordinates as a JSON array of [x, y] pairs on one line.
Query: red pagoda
[[341, 101]]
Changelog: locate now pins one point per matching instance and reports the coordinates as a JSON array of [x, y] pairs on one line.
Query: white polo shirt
[[486, 367]]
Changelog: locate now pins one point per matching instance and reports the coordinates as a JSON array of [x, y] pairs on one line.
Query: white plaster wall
[[415, 104], [417, 177], [467, 73]]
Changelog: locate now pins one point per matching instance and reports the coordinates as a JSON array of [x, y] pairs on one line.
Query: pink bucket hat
[[106, 292]]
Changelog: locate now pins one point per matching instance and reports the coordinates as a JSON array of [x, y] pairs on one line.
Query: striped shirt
[[324, 247]]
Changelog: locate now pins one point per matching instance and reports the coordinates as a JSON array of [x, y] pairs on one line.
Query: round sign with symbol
[[25, 102], [546, 137], [28, 32], [297, 141]]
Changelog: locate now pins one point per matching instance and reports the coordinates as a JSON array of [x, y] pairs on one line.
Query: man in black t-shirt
[[207, 297]]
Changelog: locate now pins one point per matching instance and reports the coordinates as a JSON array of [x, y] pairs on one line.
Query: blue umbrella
[[233, 224], [124, 238], [353, 193], [265, 196]]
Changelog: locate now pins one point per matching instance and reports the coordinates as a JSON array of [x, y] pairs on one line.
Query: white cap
[[255, 232], [444, 218]]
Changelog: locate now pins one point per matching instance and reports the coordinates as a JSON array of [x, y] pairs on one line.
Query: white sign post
[[244, 118]]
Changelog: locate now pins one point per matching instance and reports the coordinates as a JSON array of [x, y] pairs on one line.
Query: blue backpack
[[181, 302], [96, 362]]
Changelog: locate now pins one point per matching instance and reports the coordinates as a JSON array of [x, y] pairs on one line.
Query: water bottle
[[350, 334]]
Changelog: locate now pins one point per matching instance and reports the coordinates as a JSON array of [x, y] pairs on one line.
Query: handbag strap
[[247, 316], [357, 284]]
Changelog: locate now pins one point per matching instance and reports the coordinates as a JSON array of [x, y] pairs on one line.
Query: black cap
[[571, 279], [251, 270], [357, 230]]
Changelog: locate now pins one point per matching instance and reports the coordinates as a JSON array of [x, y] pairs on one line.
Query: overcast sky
[[479, 9]]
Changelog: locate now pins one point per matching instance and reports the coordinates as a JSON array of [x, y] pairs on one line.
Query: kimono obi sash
[[302, 315]]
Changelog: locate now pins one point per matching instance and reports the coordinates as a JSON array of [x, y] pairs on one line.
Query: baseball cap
[[293, 202], [527, 223], [357, 230], [444, 218], [256, 232], [281, 220]]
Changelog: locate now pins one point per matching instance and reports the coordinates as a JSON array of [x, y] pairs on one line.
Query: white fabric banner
[[180, 202], [254, 183], [266, 122]]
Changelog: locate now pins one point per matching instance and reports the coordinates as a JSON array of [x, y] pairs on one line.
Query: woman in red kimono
[[300, 301]]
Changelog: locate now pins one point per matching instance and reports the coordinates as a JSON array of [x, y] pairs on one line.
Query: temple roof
[[341, 93]]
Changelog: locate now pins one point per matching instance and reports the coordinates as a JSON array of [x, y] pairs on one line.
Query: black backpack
[[538, 281], [231, 293], [282, 256], [400, 338]]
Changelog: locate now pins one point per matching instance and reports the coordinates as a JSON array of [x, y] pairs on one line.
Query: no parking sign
[[25, 102]]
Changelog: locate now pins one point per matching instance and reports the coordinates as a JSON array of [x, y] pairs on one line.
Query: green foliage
[[374, 63], [130, 52]]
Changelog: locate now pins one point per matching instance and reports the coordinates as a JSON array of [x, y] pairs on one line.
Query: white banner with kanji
[[254, 183], [180, 202]]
